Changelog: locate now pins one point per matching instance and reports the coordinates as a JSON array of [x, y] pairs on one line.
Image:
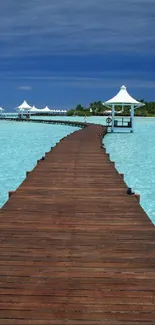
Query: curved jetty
[[75, 249], [63, 122]]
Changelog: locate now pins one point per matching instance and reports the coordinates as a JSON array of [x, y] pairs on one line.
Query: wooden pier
[[50, 121], [75, 249]]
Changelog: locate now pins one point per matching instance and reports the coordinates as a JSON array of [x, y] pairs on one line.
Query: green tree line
[[97, 108]]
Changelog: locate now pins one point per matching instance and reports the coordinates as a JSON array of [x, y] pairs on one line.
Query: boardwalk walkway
[[74, 247], [46, 121]]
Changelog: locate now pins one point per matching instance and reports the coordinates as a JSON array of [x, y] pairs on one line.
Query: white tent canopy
[[34, 109], [123, 98], [46, 109], [24, 105]]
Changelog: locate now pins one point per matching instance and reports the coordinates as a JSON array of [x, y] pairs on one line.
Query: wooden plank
[[75, 248]]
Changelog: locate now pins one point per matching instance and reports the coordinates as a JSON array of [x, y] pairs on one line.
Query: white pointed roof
[[123, 97], [24, 105], [46, 109], [1, 109], [34, 109]]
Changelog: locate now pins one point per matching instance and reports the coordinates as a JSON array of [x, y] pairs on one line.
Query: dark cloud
[[37, 27]]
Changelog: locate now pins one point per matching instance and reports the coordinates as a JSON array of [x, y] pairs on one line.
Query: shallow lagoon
[[134, 156], [22, 144], [134, 153]]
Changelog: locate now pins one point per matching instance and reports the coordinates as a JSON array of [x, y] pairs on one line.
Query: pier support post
[[113, 116], [10, 193]]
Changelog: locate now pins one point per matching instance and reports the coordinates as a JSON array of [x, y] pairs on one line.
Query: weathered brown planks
[[74, 248]]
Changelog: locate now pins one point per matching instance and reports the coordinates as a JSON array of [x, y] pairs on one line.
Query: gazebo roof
[[34, 109], [1, 109], [46, 109], [123, 97], [24, 105]]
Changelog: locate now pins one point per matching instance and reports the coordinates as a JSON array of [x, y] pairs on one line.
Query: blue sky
[[64, 52]]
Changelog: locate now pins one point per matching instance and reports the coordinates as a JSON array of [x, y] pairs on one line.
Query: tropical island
[[98, 109]]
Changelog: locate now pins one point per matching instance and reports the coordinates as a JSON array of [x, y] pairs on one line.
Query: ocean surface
[[134, 154], [21, 145]]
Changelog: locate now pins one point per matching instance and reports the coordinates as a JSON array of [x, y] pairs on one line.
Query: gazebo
[[24, 107], [34, 109], [46, 109], [122, 99], [1, 110]]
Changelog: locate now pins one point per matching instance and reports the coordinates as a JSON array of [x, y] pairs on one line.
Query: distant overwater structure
[[121, 100], [25, 108], [1, 111]]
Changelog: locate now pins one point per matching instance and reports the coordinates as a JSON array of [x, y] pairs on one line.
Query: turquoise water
[[21, 145], [134, 155], [91, 119]]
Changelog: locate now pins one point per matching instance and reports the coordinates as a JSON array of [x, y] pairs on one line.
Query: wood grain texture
[[74, 247]]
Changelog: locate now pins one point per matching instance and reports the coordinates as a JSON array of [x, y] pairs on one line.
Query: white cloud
[[25, 88], [105, 82], [36, 27]]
